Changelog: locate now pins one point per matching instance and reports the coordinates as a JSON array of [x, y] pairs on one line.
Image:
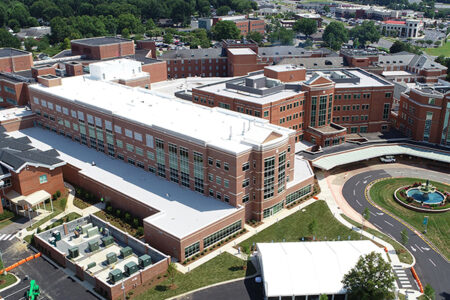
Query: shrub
[[127, 217], [58, 193], [118, 213], [54, 196], [135, 222], [109, 209], [140, 231]]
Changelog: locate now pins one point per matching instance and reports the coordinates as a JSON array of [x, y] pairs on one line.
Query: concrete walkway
[[70, 207]]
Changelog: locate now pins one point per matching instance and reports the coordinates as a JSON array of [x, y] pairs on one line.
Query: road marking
[[367, 176], [380, 214], [406, 286], [372, 213], [388, 223], [413, 249], [418, 248], [1, 236], [378, 226], [425, 248], [357, 183], [5, 237], [16, 292], [432, 262], [365, 181], [354, 193], [11, 237], [358, 202]]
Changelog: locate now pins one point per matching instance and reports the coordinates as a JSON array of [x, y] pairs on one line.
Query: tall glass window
[[160, 158], [281, 171], [198, 172], [322, 110], [269, 177], [427, 129], [330, 105], [313, 110], [386, 109], [184, 166], [445, 138]]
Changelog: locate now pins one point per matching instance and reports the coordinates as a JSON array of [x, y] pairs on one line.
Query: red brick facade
[[16, 63], [103, 51]]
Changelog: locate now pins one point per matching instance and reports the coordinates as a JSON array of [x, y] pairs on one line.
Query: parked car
[[388, 159]]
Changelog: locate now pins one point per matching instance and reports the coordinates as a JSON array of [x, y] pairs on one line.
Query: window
[[281, 171], [118, 129], [198, 172], [245, 166], [363, 129], [36, 100], [266, 113], [130, 148], [138, 136], [298, 194], [245, 183], [431, 101], [245, 198], [221, 234], [388, 95], [226, 166], [386, 109], [269, 177], [43, 179], [226, 183], [210, 177], [218, 165], [218, 180], [128, 133], [139, 151], [149, 140], [119, 143], [427, 129], [191, 250], [313, 111], [10, 90], [210, 161]]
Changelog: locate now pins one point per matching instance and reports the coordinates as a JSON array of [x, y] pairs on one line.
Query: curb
[[11, 285]]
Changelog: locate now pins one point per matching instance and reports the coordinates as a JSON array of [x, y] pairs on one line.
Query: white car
[[388, 159]]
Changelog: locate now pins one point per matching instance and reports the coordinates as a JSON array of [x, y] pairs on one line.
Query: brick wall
[[157, 71], [27, 181]]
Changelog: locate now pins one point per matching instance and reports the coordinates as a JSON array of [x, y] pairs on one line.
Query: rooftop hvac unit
[[86, 227], [93, 246], [92, 232], [91, 265], [73, 252], [107, 240], [130, 268], [111, 258], [144, 261], [125, 252], [115, 276]]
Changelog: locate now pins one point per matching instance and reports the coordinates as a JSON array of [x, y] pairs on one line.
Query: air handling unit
[[130, 268], [107, 240], [125, 252], [93, 246], [115, 275], [73, 252], [111, 258]]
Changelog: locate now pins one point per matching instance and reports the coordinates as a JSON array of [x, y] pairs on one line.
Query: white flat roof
[[330, 161], [365, 79], [396, 73], [241, 51], [203, 125], [309, 268], [182, 211], [283, 68], [14, 113], [302, 171], [169, 87]]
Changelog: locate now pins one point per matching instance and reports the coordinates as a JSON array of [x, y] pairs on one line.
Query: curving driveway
[[430, 266]]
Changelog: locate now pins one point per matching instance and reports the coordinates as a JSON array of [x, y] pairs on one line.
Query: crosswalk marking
[[7, 237], [13, 236], [1, 236]]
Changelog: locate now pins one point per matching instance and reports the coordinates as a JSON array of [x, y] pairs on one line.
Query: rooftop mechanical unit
[[92, 231], [130, 268], [107, 240], [74, 252], [115, 275], [125, 252], [144, 261], [93, 246], [86, 227], [111, 258], [56, 235]]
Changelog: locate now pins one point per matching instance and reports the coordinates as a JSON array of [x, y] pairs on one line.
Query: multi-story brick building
[[28, 176], [14, 60], [244, 162], [102, 47], [424, 113], [243, 23], [320, 105], [227, 61], [399, 67]]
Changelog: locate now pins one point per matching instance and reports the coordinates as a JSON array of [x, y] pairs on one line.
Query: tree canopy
[[399, 46], [335, 35], [364, 33], [255, 36], [371, 279], [8, 40], [305, 26], [225, 30], [281, 35]]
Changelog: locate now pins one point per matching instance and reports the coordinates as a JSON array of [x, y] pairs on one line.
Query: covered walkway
[[25, 204]]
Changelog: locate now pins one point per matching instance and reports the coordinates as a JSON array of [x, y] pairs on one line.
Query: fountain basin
[[427, 198]]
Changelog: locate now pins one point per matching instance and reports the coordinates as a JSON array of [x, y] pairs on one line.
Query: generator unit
[[144, 261]]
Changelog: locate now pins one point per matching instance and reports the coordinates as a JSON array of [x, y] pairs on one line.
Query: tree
[[224, 30], [14, 25], [366, 32], [437, 43], [125, 33], [281, 36], [171, 272], [223, 10], [8, 40], [326, 9], [429, 292], [29, 43], [312, 227], [323, 297], [335, 35], [398, 46], [371, 279], [168, 38], [405, 237], [305, 26], [255, 36]]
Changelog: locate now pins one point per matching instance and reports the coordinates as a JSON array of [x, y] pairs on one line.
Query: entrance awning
[[30, 200]]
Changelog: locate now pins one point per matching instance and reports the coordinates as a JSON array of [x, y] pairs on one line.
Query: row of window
[[290, 118], [210, 68], [8, 89], [9, 100], [351, 107], [226, 182], [298, 194], [291, 105], [355, 118], [219, 195]]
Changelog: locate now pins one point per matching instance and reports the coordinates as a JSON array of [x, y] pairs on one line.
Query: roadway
[[430, 266]]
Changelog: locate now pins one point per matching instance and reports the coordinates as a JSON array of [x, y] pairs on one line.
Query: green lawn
[[403, 255], [443, 50], [438, 223], [6, 280], [294, 227], [80, 203], [221, 268]]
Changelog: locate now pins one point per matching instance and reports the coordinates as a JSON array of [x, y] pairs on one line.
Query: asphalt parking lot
[[54, 283]]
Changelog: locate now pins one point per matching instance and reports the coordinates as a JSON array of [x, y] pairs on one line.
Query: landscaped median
[[6, 280], [438, 227]]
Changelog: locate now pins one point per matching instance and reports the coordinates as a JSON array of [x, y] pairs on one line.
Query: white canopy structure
[[309, 268], [327, 162]]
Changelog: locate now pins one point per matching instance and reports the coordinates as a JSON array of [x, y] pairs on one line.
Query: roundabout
[[432, 266]]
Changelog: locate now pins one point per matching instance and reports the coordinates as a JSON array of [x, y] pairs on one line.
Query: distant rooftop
[[241, 51], [192, 53], [7, 52], [99, 41], [14, 113], [314, 62]]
